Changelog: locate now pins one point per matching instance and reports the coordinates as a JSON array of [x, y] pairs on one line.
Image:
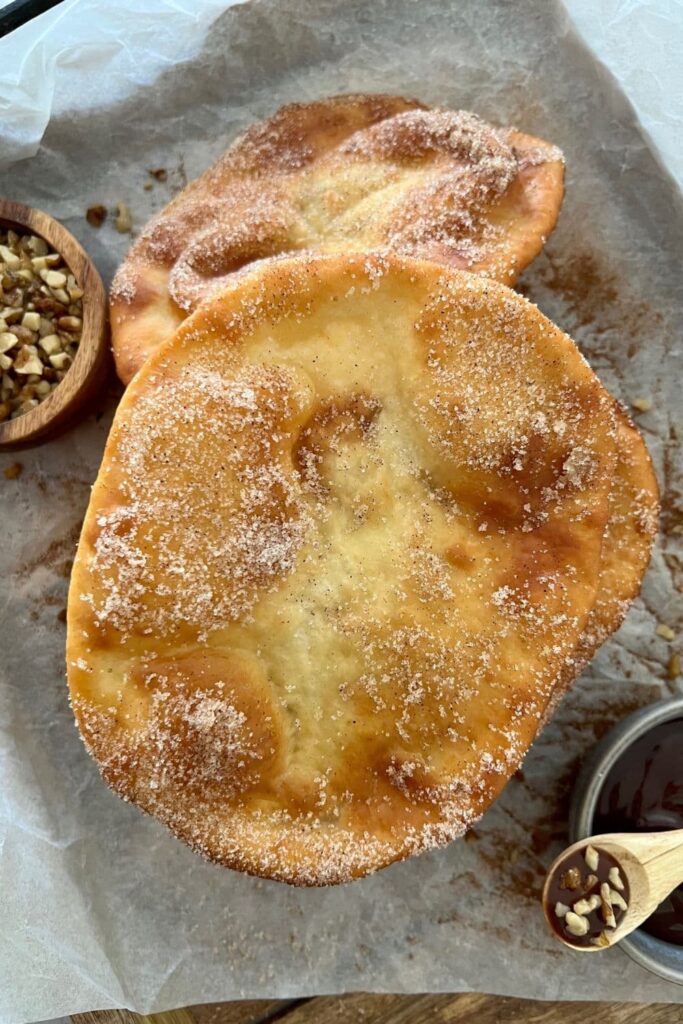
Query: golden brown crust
[[344, 539], [631, 530], [349, 173]]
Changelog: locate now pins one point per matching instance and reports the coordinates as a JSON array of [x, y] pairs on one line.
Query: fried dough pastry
[[345, 539], [345, 174], [631, 530]]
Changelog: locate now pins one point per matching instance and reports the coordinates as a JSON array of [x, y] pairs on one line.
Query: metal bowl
[[662, 958]]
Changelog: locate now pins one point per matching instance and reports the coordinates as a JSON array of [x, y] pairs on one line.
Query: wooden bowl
[[92, 361]]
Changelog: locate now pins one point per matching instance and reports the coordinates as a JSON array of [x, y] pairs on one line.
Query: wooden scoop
[[651, 864]]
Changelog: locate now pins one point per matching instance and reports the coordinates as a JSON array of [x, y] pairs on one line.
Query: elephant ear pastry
[[345, 539], [627, 544], [345, 174]]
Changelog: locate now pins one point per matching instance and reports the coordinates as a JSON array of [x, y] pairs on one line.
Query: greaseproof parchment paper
[[99, 906]]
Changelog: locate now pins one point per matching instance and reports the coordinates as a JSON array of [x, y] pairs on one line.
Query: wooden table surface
[[361, 1008]]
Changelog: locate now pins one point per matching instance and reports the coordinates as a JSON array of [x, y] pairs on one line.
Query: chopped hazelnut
[[123, 222], [37, 245], [607, 912], [28, 360], [615, 878], [21, 333], [617, 900], [96, 215], [584, 906], [51, 343], [53, 278], [571, 879], [9, 258], [61, 360], [575, 924], [31, 321], [69, 323], [592, 858]]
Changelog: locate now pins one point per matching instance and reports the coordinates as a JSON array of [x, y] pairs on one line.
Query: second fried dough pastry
[[344, 542], [345, 174], [631, 530]]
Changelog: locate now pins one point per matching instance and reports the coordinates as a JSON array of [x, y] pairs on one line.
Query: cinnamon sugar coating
[[344, 174]]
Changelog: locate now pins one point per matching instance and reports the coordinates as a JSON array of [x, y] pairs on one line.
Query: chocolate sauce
[[644, 793]]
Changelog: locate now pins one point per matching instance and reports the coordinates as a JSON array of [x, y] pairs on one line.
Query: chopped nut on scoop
[[587, 896], [576, 924], [592, 858], [606, 910], [614, 878]]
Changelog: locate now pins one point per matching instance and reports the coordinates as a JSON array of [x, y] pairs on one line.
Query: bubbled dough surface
[[344, 540]]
